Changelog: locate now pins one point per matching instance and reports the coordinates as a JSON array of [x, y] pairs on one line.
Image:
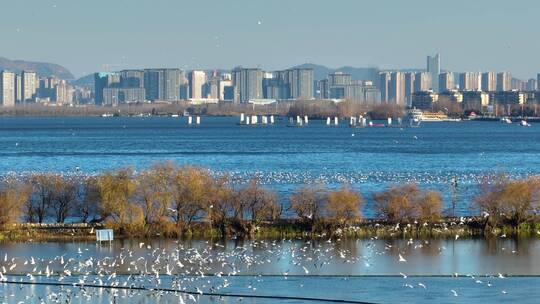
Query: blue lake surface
[[498, 270], [284, 157]]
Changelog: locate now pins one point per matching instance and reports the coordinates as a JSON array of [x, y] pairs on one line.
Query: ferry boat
[[436, 117], [415, 117]]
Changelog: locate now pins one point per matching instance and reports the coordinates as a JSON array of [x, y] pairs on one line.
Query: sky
[[84, 35]]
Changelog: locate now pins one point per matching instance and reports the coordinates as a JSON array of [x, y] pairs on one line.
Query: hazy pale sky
[[82, 35]]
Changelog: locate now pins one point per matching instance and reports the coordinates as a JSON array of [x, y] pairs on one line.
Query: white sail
[[306, 119], [242, 117], [328, 120], [247, 120], [254, 119], [272, 119], [336, 121], [198, 120], [189, 120], [389, 121]]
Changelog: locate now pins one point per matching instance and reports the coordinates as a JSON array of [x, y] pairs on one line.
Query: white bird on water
[[401, 258], [454, 292]]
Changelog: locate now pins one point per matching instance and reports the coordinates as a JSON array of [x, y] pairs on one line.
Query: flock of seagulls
[[201, 268]]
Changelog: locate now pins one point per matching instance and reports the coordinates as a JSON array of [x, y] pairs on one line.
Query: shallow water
[[496, 270], [373, 158]]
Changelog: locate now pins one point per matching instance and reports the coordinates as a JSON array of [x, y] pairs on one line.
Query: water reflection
[[319, 257]]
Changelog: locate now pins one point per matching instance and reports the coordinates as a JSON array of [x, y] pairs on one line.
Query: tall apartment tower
[[247, 84], [384, 83], [172, 80], [301, 83], [470, 81], [29, 82], [409, 87], [196, 81], [102, 81], [488, 82], [504, 81], [434, 69], [446, 81], [7, 88], [422, 82], [396, 91]]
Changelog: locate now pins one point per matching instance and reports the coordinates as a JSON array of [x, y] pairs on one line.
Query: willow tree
[[155, 191], [42, 196], [343, 206], [65, 197], [191, 195], [13, 196], [511, 201], [308, 203], [116, 192], [406, 203], [259, 203]]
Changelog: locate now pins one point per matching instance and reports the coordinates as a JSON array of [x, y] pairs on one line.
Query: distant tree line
[[170, 200]]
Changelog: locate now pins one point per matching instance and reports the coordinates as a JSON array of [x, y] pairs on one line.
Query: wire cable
[[194, 293]]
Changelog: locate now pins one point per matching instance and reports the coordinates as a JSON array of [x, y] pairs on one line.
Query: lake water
[[496, 270], [284, 157], [490, 270]]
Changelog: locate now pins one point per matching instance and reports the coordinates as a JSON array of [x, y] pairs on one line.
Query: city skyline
[[215, 34]]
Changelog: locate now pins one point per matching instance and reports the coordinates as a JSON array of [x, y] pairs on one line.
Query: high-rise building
[[172, 80], [18, 88], [63, 93], [339, 78], [372, 94], [409, 87], [488, 82], [7, 89], [289, 84], [115, 96], [102, 81], [396, 88], [225, 89], [301, 83], [504, 81], [196, 81], [247, 84], [434, 69], [384, 82], [422, 82], [532, 85], [446, 81], [29, 83], [470, 81], [132, 79], [153, 84]]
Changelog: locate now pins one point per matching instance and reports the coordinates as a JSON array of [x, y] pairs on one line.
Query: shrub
[[343, 206], [503, 200], [407, 202]]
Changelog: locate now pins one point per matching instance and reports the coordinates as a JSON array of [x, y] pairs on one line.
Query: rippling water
[[492, 270], [284, 157]]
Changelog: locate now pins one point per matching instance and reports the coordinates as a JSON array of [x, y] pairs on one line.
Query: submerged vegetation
[[171, 201]]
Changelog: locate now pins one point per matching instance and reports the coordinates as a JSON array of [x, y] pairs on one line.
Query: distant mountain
[[85, 81], [321, 72], [41, 68]]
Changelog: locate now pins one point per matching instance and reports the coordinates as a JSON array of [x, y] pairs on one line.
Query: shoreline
[[446, 228]]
